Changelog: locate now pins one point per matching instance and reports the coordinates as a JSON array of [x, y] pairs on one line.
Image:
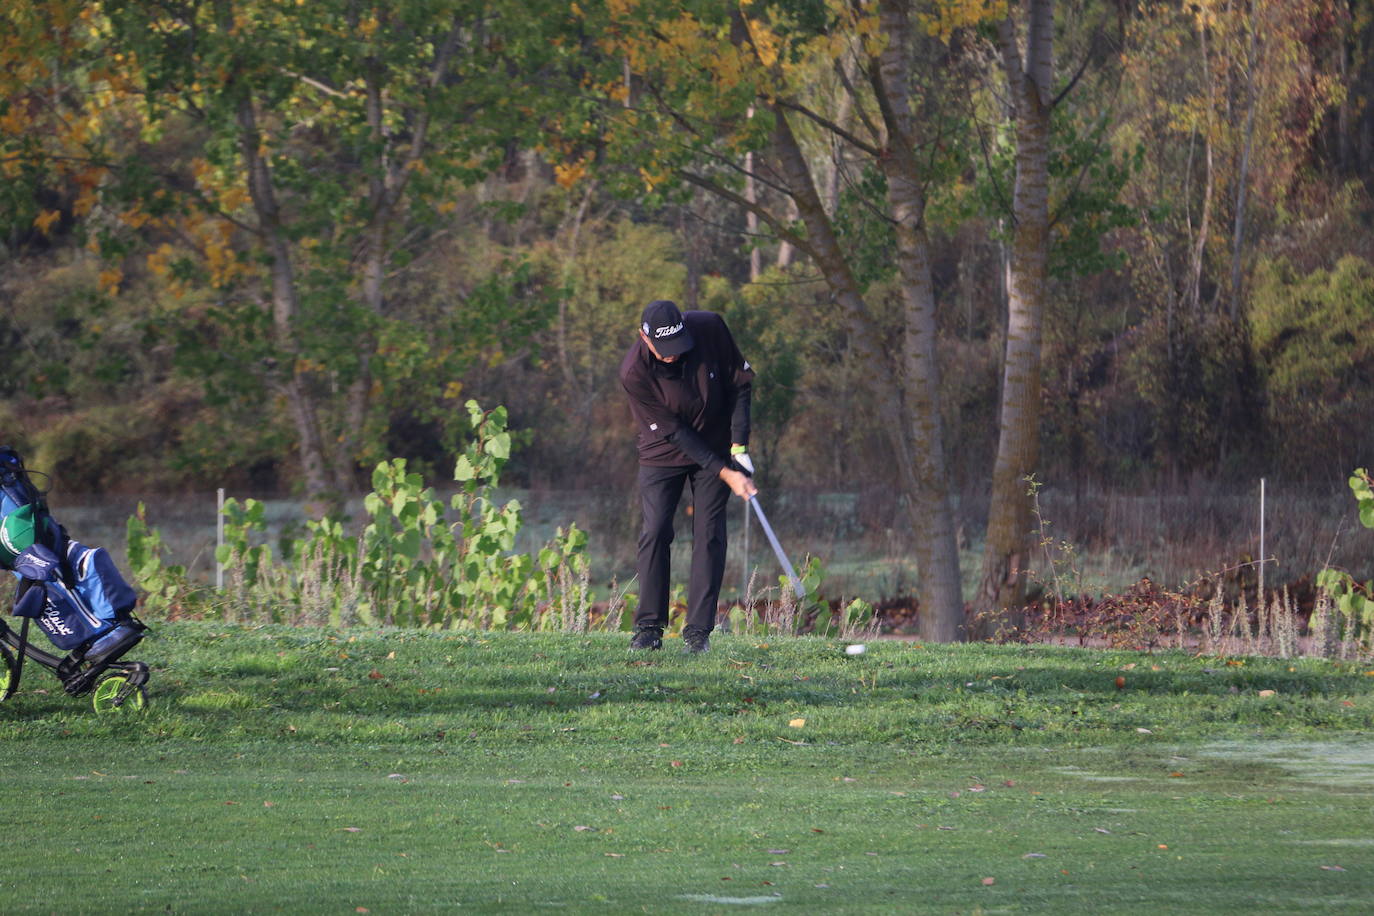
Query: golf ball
[[857, 649]]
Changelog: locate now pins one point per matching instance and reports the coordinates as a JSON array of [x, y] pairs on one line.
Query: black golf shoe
[[647, 638], [696, 640]]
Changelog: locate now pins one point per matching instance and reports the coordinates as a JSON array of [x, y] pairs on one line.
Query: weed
[[408, 566]]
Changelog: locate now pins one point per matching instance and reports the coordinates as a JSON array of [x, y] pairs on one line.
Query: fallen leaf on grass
[[581, 827], [778, 852], [1144, 731], [796, 723], [351, 829], [1175, 775], [1102, 830], [1267, 693], [1346, 703], [1332, 868], [615, 855], [988, 882], [374, 674], [1034, 855], [798, 743]]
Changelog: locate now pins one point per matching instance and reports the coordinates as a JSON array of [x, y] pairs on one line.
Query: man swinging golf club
[[689, 391]]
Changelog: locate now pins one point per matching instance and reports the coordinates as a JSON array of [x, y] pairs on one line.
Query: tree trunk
[[920, 369], [787, 252], [1243, 179], [1002, 587], [927, 498], [320, 494]]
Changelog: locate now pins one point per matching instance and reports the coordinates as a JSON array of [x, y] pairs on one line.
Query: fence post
[[1260, 597], [219, 539]]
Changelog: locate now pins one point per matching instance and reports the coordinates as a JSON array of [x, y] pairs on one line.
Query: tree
[[1029, 73], [695, 94], [331, 134]]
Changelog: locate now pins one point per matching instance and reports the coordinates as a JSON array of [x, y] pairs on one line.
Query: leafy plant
[[417, 562], [163, 586], [1353, 600]]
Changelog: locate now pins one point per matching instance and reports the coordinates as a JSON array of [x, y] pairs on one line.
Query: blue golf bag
[[72, 592]]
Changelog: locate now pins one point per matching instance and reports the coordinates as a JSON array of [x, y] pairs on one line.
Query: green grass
[[281, 770]]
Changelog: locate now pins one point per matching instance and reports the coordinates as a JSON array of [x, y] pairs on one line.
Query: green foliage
[[418, 562], [1354, 600], [867, 232], [1196, 378], [164, 586], [1087, 181], [1314, 338], [809, 613]]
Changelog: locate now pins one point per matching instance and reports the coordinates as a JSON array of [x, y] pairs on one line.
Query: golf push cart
[[75, 594]]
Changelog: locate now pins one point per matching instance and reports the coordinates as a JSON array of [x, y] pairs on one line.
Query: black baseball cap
[[662, 323]]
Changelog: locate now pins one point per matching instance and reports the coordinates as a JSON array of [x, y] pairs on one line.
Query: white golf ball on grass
[[857, 648]]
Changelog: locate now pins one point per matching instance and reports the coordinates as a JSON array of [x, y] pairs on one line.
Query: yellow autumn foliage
[[44, 220], [950, 15]]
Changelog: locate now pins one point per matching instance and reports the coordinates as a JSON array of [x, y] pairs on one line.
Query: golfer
[[689, 391]]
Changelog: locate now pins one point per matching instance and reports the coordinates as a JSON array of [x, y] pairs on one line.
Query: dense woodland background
[[265, 245]]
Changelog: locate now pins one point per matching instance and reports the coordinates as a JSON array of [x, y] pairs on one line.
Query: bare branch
[[830, 126], [763, 213]]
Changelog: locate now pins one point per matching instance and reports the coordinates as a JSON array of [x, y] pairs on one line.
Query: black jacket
[[691, 410]]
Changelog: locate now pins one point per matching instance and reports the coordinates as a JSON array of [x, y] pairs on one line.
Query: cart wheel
[[106, 692], [7, 681]]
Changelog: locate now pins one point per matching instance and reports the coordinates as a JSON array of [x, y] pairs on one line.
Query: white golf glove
[[744, 461]]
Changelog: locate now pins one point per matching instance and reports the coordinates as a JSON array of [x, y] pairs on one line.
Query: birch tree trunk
[[1002, 586]]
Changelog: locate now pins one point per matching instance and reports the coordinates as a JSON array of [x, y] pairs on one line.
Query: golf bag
[[73, 593]]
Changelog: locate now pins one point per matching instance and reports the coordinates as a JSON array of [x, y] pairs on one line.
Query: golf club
[[777, 548]]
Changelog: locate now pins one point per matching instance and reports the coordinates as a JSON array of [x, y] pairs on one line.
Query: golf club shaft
[[777, 549]]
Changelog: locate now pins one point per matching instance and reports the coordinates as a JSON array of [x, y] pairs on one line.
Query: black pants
[[659, 492]]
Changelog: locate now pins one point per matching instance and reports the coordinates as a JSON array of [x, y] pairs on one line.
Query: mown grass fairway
[[294, 771]]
